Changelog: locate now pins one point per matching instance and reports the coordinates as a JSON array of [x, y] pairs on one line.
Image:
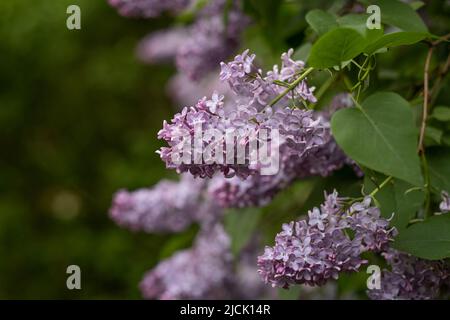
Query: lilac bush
[[226, 105]]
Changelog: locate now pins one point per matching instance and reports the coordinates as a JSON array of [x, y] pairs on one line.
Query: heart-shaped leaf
[[380, 134]]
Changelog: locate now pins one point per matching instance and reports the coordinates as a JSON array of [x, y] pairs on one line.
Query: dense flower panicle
[[410, 278], [148, 8], [299, 133], [317, 249], [168, 207], [161, 46], [444, 206], [201, 272]]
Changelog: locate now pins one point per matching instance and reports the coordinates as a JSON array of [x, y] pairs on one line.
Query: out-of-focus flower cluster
[[317, 249], [148, 8], [197, 48], [203, 271], [411, 278], [168, 207]]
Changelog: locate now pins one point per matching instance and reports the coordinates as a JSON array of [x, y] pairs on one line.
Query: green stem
[[291, 86], [426, 174], [385, 182]]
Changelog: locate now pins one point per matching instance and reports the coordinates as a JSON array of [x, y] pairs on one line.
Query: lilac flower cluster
[[258, 190], [198, 48], [210, 42], [410, 278], [168, 207], [201, 272], [148, 8], [299, 134], [317, 249], [300, 131], [444, 206]]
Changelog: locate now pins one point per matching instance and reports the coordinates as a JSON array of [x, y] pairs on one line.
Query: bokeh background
[[78, 120]]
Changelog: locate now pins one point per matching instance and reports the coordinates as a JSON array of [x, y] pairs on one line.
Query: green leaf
[[240, 225], [394, 40], [321, 21], [398, 198], [441, 113], [400, 15], [302, 52], [433, 136], [439, 166], [428, 240], [381, 135], [336, 46]]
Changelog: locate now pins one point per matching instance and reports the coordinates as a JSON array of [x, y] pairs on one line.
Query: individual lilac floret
[[201, 272], [410, 278], [317, 249], [445, 204], [161, 46], [170, 206], [148, 8]]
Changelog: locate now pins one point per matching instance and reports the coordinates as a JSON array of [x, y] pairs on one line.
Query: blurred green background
[[78, 120]]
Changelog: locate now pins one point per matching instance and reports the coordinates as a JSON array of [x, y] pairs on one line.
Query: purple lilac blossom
[[201, 272], [410, 278], [169, 206], [300, 132], [317, 249], [258, 190], [148, 8], [444, 206]]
